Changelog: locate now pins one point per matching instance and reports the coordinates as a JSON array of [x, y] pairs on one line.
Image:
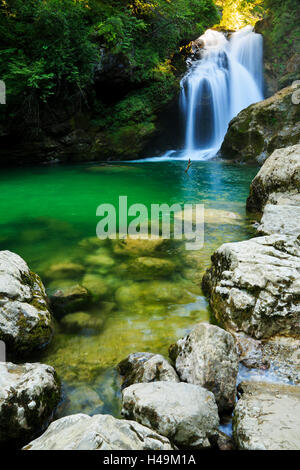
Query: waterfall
[[227, 79]]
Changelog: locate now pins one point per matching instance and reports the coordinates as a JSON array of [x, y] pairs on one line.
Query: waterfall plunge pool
[[48, 216]]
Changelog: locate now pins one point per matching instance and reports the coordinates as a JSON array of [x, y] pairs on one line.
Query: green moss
[[31, 338]]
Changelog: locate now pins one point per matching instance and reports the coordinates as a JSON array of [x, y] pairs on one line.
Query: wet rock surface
[[146, 367], [266, 417], [82, 321], [25, 320], [254, 286], [29, 394], [99, 432], [278, 356], [69, 300], [280, 219], [187, 414], [278, 181], [207, 357], [263, 127]]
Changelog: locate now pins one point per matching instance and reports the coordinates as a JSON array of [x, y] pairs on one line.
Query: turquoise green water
[[48, 216]]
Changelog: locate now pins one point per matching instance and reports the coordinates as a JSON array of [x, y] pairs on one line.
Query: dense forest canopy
[[49, 44], [119, 59]]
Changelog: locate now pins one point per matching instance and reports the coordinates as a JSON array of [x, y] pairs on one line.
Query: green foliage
[[49, 50], [147, 32], [49, 44], [45, 45], [239, 13], [284, 30]]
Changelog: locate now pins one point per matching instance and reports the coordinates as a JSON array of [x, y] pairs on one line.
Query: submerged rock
[[96, 285], [29, 394], [138, 247], [207, 356], [153, 291], [254, 286], [211, 216], [78, 321], [70, 299], [67, 270], [99, 432], [263, 127], [91, 243], [82, 398], [151, 268], [146, 367], [278, 181], [25, 321], [187, 414], [100, 260], [266, 417]]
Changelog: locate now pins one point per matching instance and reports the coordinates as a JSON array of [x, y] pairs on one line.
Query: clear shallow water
[[48, 216]]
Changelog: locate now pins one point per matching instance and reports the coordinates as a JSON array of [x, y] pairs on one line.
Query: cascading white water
[[227, 79], [247, 49]]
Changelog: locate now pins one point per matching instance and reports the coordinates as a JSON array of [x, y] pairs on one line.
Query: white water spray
[[227, 79]]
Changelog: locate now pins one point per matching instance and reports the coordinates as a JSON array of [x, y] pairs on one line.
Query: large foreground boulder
[[29, 394], [184, 413], [25, 321], [207, 356], [263, 127], [254, 286], [99, 432], [266, 417], [278, 181], [146, 367]]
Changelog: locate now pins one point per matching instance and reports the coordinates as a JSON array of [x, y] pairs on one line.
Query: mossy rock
[[90, 243], [138, 247], [100, 260], [257, 130], [30, 394], [151, 268], [26, 324], [78, 321], [64, 270], [69, 300], [152, 292], [96, 285]]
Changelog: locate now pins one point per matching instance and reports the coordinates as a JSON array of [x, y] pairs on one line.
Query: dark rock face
[[263, 127]]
